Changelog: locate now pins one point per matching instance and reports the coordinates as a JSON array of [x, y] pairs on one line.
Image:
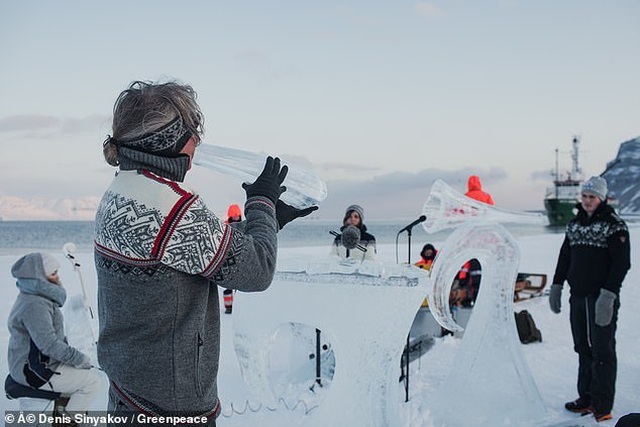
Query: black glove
[[268, 184], [286, 213]]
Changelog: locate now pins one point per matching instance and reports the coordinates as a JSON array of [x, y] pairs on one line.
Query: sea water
[[17, 237]]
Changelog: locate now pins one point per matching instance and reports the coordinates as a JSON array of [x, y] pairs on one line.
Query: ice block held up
[[304, 188]]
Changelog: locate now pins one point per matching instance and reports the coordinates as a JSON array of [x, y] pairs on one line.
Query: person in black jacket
[[594, 259]]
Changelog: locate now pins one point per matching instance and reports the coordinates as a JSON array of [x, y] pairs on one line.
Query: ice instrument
[[304, 188], [446, 208]]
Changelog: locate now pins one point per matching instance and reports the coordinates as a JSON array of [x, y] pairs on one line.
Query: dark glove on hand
[[268, 184], [555, 295], [604, 307], [286, 213]]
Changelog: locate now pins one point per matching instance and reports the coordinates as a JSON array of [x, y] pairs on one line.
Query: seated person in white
[[38, 353], [354, 242]]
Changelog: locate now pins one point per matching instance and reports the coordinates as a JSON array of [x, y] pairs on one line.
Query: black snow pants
[[596, 348]]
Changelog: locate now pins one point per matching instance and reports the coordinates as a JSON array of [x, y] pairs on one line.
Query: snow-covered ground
[[552, 362]]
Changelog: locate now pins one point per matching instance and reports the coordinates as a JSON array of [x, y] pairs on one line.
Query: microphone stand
[[318, 362], [406, 386], [409, 248], [408, 229], [406, 350]]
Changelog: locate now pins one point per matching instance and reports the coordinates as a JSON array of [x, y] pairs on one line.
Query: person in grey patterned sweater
[[594, 260], [160, 255]]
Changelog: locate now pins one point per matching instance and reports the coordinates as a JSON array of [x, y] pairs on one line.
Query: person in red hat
[[234, 214], [467, 284], [475, 191]]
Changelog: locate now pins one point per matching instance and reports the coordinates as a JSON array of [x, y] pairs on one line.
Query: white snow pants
[[82, 385]]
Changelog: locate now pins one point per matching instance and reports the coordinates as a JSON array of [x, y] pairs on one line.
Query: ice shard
[[304, 188]]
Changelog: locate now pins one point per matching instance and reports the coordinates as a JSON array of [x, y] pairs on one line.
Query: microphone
[[349, 240], [350, 237], [414, 223]]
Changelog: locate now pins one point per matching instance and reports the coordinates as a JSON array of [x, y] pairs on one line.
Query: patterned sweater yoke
[[144, 219]]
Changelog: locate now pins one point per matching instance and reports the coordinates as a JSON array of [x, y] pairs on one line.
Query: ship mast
[[557, 175], [576, 171]]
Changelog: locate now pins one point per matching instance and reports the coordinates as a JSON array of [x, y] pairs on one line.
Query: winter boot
[[601, 416], [579, 406]]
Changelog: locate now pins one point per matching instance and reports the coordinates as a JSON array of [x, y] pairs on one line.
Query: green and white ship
[[560, 200]]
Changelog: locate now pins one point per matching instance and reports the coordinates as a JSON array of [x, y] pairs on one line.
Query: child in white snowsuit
[[38, 353]]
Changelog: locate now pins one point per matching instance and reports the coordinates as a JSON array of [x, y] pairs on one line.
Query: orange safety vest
[[424, 264]]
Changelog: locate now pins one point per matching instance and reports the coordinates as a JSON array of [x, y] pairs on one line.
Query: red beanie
[[234, 210]]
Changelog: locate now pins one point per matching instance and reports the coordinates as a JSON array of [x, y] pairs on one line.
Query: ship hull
[[559, 211]]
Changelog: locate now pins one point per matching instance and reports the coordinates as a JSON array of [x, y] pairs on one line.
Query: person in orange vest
[[427, 255], [465, 287], [468, 278], [474, 191], [234, 214], [466, 284]]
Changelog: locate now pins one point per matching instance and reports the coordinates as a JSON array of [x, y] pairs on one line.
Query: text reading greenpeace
[[28, 418]]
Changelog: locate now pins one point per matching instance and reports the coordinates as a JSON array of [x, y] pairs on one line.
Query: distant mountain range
[[46, 209], [623, 177]]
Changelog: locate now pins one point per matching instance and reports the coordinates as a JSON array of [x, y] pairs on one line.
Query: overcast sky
[[377, 97]]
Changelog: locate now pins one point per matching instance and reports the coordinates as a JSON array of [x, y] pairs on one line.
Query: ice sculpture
[[447, 208], [490, 351], [343, 300], [304, 188]]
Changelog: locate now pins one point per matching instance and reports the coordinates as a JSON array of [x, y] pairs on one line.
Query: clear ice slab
[[365, 311]]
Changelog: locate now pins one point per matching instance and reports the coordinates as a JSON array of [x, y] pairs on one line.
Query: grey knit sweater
[[160, 254]]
